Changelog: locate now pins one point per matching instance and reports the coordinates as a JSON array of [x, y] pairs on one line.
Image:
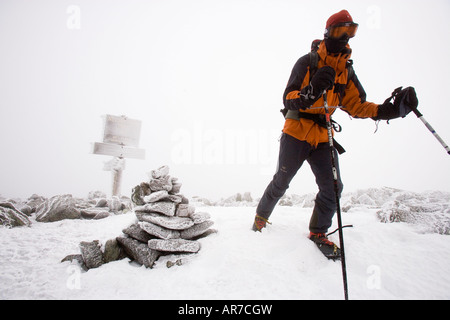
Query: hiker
[[328, 67]]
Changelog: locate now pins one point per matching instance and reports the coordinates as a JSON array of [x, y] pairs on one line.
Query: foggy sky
[[206, 79]]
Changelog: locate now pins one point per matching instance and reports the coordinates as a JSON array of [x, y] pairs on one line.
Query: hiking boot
[[259, 223], [330, 250]]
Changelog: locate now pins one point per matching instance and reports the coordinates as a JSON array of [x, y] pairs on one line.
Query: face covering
[[336, 45]]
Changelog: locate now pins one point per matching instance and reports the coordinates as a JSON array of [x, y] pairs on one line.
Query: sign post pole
[[120, 140], [117, 181]]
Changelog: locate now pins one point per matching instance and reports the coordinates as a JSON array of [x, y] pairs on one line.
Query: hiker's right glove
[[321, 81]]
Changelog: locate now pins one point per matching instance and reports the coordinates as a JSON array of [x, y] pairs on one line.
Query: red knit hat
[[340, 17]]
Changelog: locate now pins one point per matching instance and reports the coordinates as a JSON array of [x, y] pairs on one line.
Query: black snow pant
[[293, 153]]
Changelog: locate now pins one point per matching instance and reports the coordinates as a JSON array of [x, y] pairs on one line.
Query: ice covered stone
[[165, 207], [205, 234], [164, 183], [34, 201], [156, 196], [174, 245], [159, 173], [173, 223], [196, 230], [139, 192], [94, 213], [92, 254], [113, 251], [140, 252], [134, 231], [57, 208], [114, 204], [184, 210], [176, 198], [11, 217], [176, 187], [200, 217], [159, 231]]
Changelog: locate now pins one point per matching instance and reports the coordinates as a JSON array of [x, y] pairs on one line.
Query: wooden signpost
[[120, 140]]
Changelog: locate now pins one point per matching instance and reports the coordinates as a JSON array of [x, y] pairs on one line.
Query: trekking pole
[[428, 125], [335, 177]]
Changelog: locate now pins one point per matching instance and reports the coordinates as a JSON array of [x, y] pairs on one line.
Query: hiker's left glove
[[404, 101]]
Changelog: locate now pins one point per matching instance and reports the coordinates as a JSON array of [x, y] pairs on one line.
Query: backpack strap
[[351, 71], [313, 62]]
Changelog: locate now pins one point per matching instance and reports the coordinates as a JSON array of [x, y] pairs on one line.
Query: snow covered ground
[[384, 260]]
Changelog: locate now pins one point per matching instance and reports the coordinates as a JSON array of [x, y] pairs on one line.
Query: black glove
[[404, 101], [321, 81]]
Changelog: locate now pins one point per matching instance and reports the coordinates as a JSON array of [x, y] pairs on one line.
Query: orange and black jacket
[[346, 92]]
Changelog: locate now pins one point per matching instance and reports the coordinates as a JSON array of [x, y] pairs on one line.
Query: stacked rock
[[166, 223]]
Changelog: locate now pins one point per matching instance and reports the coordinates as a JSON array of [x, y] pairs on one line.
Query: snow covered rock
[[163, 183], [159, 231], [172, 223], [139, 192], [199, 217], [427, 214], [58, 208], [138, 251], [159, 173], [136, 232], [115, 205], [34, 201], [113, 251], [11, 217], [156, 196], [165, 207], [92, 254], [196, 230], [185, 210], [94, 213], [174, 245]]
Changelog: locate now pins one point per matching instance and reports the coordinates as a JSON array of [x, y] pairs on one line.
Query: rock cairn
[[166, 224]]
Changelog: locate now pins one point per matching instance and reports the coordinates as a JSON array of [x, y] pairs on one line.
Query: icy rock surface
[[58, 208], [158, 231], [139, 252], [92, 254], [172, 223], [16, 212], [165, 207], [174, 245], [429, 212], [12, 217]]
